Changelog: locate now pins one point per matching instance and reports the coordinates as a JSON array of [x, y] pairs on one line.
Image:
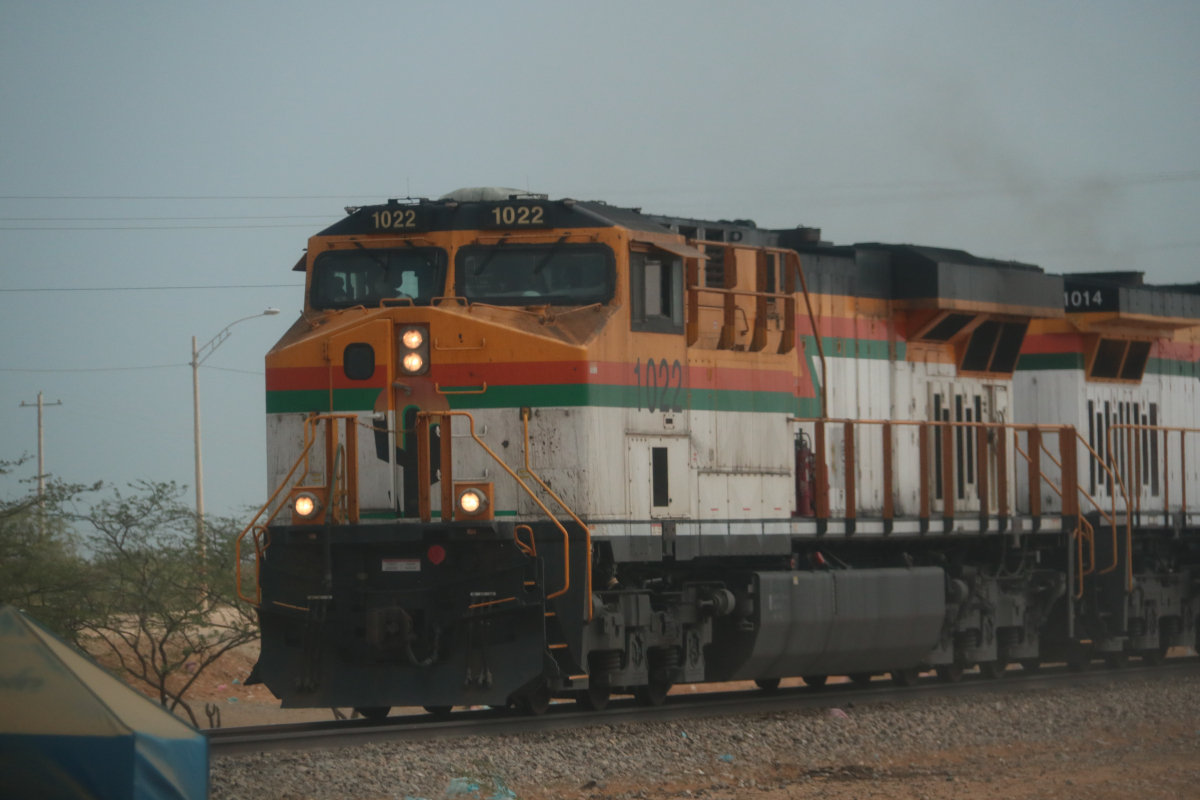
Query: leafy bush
[[126, 579]]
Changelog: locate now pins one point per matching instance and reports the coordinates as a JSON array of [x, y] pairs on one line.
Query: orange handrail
[[1112, 518], [924, 425], [521, 483], [587, 532], [237, 545], [310, 438], [528, 549], [1131, 430]]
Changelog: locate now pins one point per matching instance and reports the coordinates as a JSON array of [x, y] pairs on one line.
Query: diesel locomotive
[[522, 449]]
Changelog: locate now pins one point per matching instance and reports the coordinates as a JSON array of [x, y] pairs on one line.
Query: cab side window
[[656, 292]]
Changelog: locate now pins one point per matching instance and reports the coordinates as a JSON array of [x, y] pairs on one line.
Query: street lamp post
[[199, 356]]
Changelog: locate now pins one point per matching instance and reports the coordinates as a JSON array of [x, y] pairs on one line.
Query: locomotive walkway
[[419, 727]]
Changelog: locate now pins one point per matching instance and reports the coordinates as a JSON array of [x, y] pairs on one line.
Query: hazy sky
[[1065, 134]]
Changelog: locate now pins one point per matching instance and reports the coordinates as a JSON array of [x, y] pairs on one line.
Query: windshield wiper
[[491, 254], [372, 256], [420, 252], [546, 259]]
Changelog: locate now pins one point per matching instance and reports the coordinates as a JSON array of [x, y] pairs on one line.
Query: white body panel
[[1066, 396]]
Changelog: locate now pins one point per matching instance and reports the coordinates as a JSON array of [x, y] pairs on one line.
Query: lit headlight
[[472, 501], [306, 504], [412, 338], [414, 350]]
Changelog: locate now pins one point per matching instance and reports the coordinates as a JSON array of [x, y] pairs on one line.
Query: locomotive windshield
[[363, 277], [536, 274]]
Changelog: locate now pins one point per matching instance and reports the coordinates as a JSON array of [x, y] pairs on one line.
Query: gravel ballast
[[708, 755]]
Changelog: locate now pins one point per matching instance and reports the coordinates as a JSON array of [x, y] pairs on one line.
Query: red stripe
[[1176, 351], [1052, 343], [281, 379]]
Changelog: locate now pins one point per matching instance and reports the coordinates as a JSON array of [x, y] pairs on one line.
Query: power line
[[160, 288], [151, 219], [231, 369], [127, 369], [146, 227], [200, 197], [96, 369], [1098, 182]]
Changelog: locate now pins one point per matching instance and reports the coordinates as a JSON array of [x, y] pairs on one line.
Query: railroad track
[[492, 722]]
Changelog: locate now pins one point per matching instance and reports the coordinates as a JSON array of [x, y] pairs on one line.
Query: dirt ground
[[1114, 762], [1144, 764], [223, 685]]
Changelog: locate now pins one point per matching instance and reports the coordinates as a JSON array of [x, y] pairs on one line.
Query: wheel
[[652, 694], [862, 678], [439, 711], [815, 681], [1154, 658], [1079, 662], [949, 673], [767, 684], [992, 670], [374, 713], [906, 677], [535, 703], [595, 697], [1031, 664], [1116, 660]]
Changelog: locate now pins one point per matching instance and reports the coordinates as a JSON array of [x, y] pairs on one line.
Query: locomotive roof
[[897, 271], [913, 252], [453, 215], [931, 277], [1128, 293]]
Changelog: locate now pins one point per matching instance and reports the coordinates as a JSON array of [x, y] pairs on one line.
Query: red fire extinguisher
[[806, 477]]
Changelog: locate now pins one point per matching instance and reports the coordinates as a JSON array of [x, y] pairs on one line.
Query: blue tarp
[[69, 729]]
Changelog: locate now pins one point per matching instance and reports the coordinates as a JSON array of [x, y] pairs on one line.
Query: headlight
[[413, 362], [412, 338], [306, 504], [414, 350], [472, 501]]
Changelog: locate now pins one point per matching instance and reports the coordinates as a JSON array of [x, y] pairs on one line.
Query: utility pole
[[199, 355], [41, 454], [199, 461]]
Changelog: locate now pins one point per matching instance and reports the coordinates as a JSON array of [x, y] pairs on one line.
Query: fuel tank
[[829, 623]]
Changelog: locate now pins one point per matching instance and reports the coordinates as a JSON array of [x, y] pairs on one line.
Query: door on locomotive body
[[658, 449], [364, 352], [1121, 455], [965, 401], [657, 469]]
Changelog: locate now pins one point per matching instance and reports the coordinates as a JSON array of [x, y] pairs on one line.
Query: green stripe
[[809, 407], [848, 347], [610, 396], [1074, 361], [1163, 366], [547, 396]]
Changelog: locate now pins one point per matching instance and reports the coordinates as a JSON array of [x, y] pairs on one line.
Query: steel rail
[[424, 727]]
